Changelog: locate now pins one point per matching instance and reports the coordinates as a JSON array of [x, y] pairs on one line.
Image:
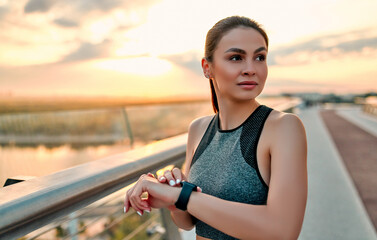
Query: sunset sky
[[152, 48]]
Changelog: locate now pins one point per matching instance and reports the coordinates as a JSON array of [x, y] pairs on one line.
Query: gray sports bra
[[225, 165]]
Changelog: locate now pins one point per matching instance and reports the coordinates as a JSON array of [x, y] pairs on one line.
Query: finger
[[137, 203], [137, 210], [177, 175], [170, 178], [198, 189], [150, 175], [149, 209], [136, 196], [136, 207], [126, 203], [143, 204], [184, 178], [162, 179]]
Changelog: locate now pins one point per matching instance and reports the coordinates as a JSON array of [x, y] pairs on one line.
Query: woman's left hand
[[159, 195]]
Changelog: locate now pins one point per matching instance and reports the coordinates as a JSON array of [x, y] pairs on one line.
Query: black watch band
[[185, 194]]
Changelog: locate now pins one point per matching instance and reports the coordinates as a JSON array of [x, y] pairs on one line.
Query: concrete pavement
[[334, 209], [359, 118]]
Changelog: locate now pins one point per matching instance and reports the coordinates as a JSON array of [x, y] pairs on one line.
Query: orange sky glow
[[153, 48]]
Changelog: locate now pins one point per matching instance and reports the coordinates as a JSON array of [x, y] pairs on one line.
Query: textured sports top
[[225, 165]]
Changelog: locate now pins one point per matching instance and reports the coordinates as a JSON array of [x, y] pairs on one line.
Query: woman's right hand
[[172, 177]]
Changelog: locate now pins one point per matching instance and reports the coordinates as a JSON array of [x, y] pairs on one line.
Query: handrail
[[31, 204], [28, 205], [370, 109]]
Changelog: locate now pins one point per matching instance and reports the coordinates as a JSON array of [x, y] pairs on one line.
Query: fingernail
[[147, 211], [138, 212], [171, 183], [162, 179], [124, 209], [178, 181]]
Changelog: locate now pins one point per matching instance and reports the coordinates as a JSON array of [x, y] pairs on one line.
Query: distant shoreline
[[59, 140], [35, 104], [10, 105]]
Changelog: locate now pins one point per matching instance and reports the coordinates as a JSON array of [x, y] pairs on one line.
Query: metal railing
[[370, 109], [32, 204], [29, 205]]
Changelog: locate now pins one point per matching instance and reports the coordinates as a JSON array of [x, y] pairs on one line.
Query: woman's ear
[[206, 68]]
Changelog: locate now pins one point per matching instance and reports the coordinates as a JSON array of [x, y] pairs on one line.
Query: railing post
[[171, 230], [73, 226], [128, 126]]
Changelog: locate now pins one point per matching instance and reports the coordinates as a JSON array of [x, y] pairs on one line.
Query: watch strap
[[185, 194]]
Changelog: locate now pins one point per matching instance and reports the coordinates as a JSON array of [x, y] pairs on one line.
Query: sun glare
[[144, 66]]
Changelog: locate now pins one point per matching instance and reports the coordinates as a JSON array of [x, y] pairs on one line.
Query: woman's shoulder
[[196, 132], [199, 125], [284, 124], [283, 116]]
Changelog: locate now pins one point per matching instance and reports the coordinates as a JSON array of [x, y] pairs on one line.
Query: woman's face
[[239, 66]]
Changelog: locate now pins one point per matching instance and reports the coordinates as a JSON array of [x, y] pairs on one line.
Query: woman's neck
[[233, 114]]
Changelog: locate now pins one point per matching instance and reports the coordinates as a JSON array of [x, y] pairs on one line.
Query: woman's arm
[[283, 215], [196, 131]]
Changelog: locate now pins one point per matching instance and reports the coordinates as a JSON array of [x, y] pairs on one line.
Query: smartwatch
[[185, 194]]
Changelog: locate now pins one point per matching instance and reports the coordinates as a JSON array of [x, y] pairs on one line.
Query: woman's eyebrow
[[260, 50], [241, 51], [237, 50]]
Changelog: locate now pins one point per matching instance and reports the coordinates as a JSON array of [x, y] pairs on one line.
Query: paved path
[[334, 208], [358, 149], [359, 118]]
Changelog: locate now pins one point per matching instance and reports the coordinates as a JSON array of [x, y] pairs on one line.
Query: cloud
[[82, 12], [64, 22], [323, 47], [3, 11], [190, 60], [84, 6], [295, 83], [88, 51], [358, 45], [102, 5], [56, 27], [38, 6]]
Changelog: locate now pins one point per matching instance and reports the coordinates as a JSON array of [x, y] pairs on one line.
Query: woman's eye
[[261, 58], [235, 58]]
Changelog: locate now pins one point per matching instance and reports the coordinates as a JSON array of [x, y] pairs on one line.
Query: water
[[42, 160], [37, 144]]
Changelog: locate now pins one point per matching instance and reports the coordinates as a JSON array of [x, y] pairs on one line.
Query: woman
[[248, 159]]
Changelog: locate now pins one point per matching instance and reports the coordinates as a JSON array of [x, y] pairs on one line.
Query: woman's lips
[[248, 85]]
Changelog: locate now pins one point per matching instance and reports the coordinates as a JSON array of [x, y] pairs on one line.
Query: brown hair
[[214, 36]]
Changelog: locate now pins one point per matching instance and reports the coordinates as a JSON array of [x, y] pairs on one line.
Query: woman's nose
[[249, 69]]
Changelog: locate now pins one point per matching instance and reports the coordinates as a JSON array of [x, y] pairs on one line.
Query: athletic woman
[[245, 174]]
